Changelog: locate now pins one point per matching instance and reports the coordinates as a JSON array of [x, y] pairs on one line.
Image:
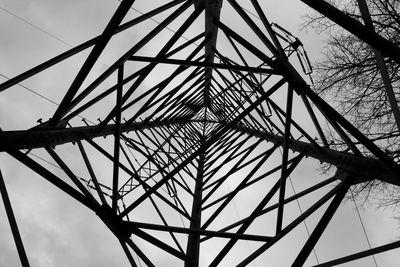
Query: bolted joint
[[49, 124], [282, 66], [113, 222]]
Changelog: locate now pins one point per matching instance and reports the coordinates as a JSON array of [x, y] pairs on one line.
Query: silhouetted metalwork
[[213, 117]]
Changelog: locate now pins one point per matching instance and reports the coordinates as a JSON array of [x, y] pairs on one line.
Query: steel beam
[[117, 138], [369, 36], [287, 200], [193, 243], [125, 81], [13, 223], [128, 253], [37, 138], [70, 174], [95, 53], [66, 188], [292, 225], [137, 250], [161, 53], [380, 62], [363, 167], [217, 133], [255, 28], [73, 51], [322, 224], [301, 87], [254, 214], [91, 173], [212, 11], [207, 233], [241, 186], [204, 64]]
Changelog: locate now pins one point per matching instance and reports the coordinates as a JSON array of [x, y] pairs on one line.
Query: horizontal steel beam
[[203, 64], [175, 229], [363, 168], [44, 137]]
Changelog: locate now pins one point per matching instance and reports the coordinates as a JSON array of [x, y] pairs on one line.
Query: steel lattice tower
[[239, 113]]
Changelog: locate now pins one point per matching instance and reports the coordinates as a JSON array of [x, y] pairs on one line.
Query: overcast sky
[[60, 232]]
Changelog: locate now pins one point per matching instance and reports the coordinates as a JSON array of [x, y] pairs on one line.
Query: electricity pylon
[[231, 118]]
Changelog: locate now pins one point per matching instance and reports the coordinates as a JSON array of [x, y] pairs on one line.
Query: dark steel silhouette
[[215, 117]]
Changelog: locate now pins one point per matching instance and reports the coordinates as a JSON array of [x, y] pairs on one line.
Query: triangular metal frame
[[211, 112]]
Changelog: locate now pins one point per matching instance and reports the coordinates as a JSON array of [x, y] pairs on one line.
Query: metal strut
[[189, 139], [369, 168], [193, 245]]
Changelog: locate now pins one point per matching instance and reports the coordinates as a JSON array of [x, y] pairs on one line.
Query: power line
[[62, 41], [44, 97], [34, 26], [362, 226], [305, 223], [66, 43], [44, 31], [32, 91], [301, 211], [238, 218], [168, 28], [87, 182]]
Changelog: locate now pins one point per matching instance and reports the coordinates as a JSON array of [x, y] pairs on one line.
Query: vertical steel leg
[[193, 245], [117, 137]]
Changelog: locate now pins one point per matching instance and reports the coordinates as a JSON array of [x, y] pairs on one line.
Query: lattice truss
[[189, 129]]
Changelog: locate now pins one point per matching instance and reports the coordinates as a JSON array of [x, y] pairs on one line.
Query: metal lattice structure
[[240, 113]]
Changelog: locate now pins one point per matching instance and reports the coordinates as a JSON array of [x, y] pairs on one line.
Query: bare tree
[[348, 76]]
